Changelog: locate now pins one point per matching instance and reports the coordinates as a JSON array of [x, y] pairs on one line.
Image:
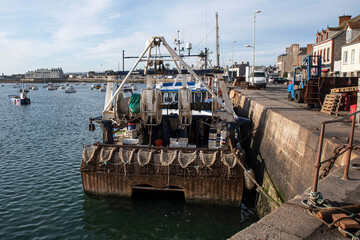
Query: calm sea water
[[41, 195]]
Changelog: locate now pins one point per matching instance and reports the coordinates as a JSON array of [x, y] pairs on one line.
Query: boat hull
[[16, 100], [211, 184]]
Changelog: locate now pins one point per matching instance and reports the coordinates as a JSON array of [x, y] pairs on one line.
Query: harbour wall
[[283, 148]]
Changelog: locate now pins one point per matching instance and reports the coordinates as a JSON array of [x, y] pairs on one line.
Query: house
[[292, 58], [350, 52], [237, 70], [328, 45]]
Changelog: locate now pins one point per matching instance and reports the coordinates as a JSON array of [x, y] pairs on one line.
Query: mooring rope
[[259, 188]]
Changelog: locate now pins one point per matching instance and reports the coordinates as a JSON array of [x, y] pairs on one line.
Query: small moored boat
[[19, 100], [70, 89]]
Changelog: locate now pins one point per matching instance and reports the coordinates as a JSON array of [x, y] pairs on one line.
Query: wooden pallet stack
[[331, 104], [333, 101]]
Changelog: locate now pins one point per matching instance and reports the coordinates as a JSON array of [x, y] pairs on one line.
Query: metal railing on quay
[[348, 149]]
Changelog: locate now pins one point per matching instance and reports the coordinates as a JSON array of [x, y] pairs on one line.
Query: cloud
[[81, 19]]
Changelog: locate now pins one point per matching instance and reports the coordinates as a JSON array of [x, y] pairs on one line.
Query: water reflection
[[159, 218]]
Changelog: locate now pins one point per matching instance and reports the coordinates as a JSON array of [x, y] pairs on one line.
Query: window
[[324, 54], [328, 55], [320, 54], [197, 97], [353, 56], [345, 57], [348, 35]]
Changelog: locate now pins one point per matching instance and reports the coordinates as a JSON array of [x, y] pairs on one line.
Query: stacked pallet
[[331, 104]]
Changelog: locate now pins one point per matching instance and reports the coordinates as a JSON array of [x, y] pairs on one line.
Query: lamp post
[[232, 62], [253, 46]]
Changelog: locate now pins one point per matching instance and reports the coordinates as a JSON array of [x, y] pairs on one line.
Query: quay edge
[[283, 152]]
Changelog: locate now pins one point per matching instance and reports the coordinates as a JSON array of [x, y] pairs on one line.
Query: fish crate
[[131, 134]]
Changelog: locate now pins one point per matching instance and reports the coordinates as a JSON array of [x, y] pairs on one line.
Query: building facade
[[292, 58], [329, 43], [45, 73], [350, 52]]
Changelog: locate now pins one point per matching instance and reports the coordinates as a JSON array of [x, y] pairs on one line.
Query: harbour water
[[41, 193]]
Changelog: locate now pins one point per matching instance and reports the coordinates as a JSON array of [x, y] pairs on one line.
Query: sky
[[89, 35]]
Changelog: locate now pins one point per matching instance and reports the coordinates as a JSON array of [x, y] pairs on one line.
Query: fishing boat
[[183, 136], [34, 87], [102, 88], [19, 100], [131, 87], [70, 89], [51, 87]]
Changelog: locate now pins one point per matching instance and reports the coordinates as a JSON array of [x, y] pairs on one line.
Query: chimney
[[309, 49], [344, 18]]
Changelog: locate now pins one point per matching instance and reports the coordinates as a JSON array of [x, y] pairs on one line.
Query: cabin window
[[167, 98], [197, 97], [176, 97]]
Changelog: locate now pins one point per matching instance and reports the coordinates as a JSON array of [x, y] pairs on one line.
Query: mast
[[217, 41]]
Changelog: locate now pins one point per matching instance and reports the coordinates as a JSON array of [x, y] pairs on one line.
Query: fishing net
[[228, 159], [166, 160], [210, 166], [126, 158], [229, 162], [106, 154], [208, 159], [168, 157], [88, 162], [185, 159], [126, 155], [89, 154], [144, 165], [106, 159]]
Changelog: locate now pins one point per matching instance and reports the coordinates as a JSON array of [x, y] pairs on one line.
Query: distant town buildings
[[339, 48], [55, 73], [237, 70], [293, 57]]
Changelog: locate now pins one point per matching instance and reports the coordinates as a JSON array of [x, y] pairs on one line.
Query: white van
[[259, 77]]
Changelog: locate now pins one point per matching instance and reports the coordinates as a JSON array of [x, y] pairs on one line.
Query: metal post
[[350, 147], [217, 41], [123, 60], [318, 160], [232, 62], [253, 69], [206, 58]]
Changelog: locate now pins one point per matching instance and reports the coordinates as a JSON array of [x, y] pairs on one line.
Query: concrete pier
[[284, 146]]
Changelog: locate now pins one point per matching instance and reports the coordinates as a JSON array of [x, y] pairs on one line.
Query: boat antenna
[[217, 41], [206, 42]]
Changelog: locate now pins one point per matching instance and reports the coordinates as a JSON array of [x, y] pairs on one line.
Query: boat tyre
[[290, 97], [298, 97]]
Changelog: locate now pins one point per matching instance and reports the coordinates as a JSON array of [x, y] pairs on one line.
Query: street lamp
[[253, 46], [232, 62]]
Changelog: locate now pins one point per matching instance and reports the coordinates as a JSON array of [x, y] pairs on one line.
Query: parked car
[[271, 79], [280, 80]]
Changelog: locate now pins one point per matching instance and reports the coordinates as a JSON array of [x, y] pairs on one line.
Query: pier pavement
[[291, 220]]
